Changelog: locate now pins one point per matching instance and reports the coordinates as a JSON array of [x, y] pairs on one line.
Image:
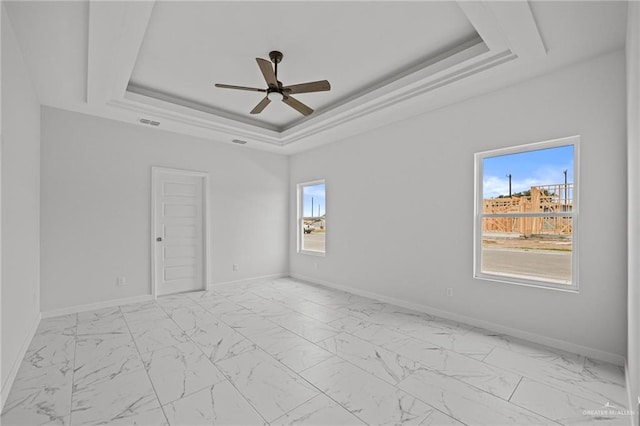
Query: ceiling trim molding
[[116, 32], [507, 32]]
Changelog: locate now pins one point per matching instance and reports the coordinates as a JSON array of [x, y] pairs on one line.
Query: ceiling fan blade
[[261, 105], [251, 89], [297, 105], [314, 86], [267, 72]]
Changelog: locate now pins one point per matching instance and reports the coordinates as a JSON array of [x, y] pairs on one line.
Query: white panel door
[[179, 232]]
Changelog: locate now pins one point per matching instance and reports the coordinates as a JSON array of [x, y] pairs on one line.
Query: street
[[554, 265]]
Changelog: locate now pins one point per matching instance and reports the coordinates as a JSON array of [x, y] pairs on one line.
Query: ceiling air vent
[[149, 122]]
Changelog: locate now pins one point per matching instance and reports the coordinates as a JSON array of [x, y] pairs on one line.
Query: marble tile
[[64, 324], [581, 384], [219, 306], [218, 404], [602, 371], [487, 377], [105, 314], [566, 408], [150, 314], [466, 403], [373, 333], [40, 396], [98, 358], [373, 400], [114, 326], [316, 311], [264, 307], [436, 418], [382, 363], [190, 318], [235, 317], [174, 301], [179, 370], [122, 399], [50, 349], [247, 353], [290, 349], [304, 326], [269, 386], [156, 335], [320, 411], [567, 360], [219, 341], [138, 307]]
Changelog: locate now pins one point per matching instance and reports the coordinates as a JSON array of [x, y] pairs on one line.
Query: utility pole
[[318, 210], [311, 206], [566, 191], [509, 176]]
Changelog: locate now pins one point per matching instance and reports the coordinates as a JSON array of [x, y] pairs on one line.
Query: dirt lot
[[554, 243]]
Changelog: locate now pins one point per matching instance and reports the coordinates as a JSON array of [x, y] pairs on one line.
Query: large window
[[312, 217], [526, 214]]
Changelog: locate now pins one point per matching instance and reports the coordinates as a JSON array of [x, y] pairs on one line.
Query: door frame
[[206, 208]]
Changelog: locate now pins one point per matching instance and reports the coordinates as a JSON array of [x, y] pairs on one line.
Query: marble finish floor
[[285, 352]]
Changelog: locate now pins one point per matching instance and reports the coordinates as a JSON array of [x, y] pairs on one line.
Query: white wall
[[96, 184], [400, 206], [633, 134], [20, 206]]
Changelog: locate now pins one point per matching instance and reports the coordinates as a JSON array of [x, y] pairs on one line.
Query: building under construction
[[539, 199]]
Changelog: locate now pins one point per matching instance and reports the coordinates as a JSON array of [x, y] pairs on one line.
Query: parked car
[[308, 229]]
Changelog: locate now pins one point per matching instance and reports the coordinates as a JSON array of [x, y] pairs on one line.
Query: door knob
[[159, 239]]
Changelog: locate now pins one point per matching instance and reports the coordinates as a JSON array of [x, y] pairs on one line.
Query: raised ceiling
[[386, 61], [188, 46]]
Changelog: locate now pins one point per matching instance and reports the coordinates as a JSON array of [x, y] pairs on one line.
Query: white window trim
[[300, 216], [478, 215]]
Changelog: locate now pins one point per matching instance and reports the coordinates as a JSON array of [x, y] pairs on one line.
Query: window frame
[[300, 217], [574, 214]]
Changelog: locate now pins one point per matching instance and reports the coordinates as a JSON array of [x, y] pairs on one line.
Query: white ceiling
[[386, 61], [188, 46]]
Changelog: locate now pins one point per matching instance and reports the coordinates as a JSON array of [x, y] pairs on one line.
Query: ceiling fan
[[276, 90]]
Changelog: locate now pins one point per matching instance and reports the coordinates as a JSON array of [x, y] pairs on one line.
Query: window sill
[[312, 253], [547, 285]]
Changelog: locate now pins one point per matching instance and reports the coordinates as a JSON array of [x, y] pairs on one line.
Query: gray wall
[[96, 186], [633, 123], [400, 207], [20, 206]]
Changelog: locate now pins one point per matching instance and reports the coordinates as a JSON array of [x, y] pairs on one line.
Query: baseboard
[[498, 328], [13, 372], [97, 305], [250, 280]]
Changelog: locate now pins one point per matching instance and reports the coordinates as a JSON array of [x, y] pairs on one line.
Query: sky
[[527, 169], [317, 192]]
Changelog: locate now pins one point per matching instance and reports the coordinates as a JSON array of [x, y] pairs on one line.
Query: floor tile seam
[[531, 377], [326, 395], [155, 392], [284, 328], [419, 362], [501, 399], [296, 407], [598, 403], [439, 411], [515, 388], [290, 370], [248, 401]]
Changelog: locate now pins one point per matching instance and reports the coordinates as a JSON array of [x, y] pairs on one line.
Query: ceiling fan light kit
[[276, 91]]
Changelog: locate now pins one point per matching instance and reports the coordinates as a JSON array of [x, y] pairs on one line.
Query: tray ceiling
[[356, 46], [147, 62]]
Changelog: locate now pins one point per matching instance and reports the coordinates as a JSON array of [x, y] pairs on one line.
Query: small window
[[526, 214], [312, 217]]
